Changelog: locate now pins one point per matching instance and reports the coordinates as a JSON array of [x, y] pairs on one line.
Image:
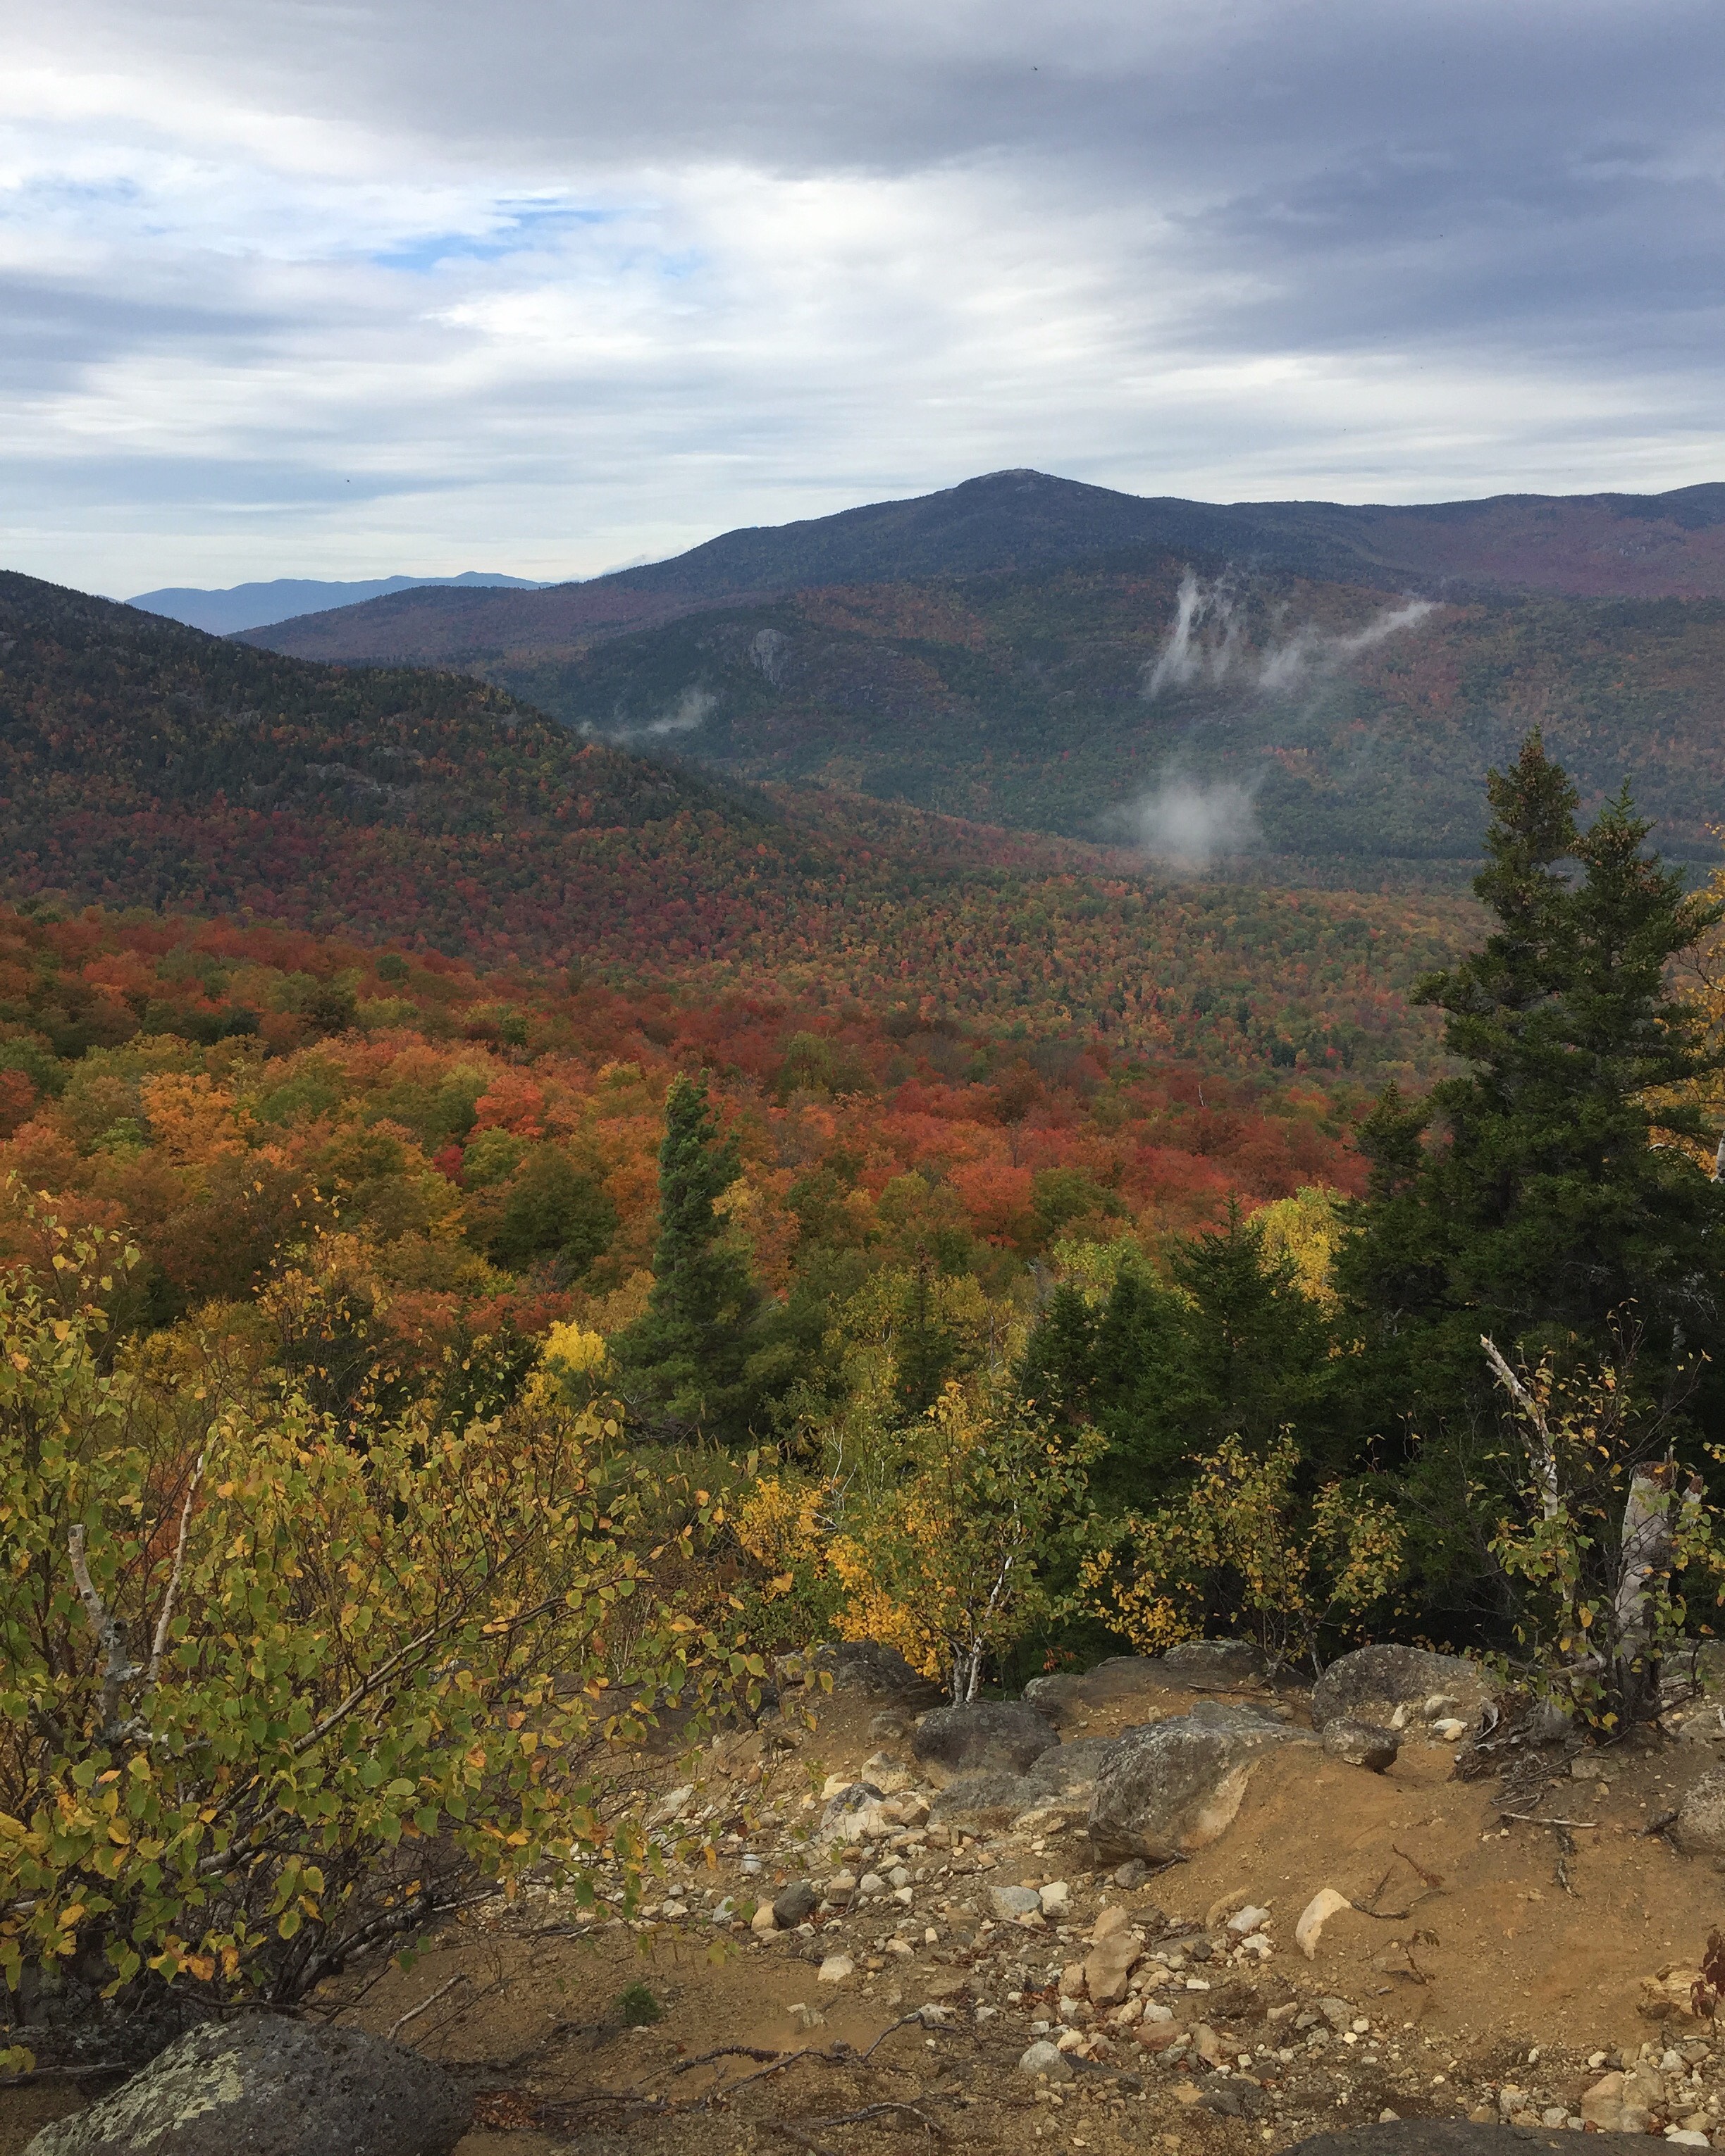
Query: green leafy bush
[[270, 1699]]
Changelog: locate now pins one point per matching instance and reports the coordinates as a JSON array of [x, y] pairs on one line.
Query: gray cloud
[[290, 288]]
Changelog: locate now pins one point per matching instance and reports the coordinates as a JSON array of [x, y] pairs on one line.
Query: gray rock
[[1044, 2058], [855, 1797], [1214, 1664], [1012, 1903], [864, 1666], [1066, 1694], [1361, 1743], [1234, 1714], [795, 1905], [1700, 1829], [990, 1737], [1370, 1684], [1174, 1786], [267, 2087], [1066, 1775]]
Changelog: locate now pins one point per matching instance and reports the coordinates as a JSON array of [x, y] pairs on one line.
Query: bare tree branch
[[118, 1668], [159, 1645]]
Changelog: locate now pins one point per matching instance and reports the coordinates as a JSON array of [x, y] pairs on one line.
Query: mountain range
[[251, 606], [1311, 689]]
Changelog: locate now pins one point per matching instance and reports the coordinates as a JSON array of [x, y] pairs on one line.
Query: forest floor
[[1499, 1972]]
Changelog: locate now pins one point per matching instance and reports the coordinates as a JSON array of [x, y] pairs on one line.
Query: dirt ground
[[1489, 1964]]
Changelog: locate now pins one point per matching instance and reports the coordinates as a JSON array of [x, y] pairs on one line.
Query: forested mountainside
[[1350, 732], [1629, 546], [142, 763]]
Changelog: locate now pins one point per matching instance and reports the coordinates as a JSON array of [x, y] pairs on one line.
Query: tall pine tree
[[686, 1359], [1535, 1195]]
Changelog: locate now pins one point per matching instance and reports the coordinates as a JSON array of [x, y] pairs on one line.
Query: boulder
[[1374, 1683], [1170, 1789], [859, 1667], [1065, 1775], [1214, 1666], [1123, 1680], [987, 1737], [1365, 1744], [1700, 1828], [271, 2087]]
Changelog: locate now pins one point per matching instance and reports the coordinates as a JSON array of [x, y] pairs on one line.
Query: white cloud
[[290, 289]]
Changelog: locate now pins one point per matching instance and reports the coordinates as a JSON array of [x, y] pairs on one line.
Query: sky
[[355, 288]]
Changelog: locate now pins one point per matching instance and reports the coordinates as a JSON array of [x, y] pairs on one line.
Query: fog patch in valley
[[1188, 824]]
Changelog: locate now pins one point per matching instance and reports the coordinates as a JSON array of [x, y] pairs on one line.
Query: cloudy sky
[[355, 287]]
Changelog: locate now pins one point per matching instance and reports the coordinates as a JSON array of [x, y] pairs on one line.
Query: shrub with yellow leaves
[[1241, 1551], [953, 1564], [270, 1699]]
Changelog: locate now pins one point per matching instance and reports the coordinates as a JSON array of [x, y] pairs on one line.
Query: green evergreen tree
[[1228, 1347], [1537, 1206], [686, 1359]]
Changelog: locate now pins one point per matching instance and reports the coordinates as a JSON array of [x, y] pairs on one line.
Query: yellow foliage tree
[[950, 1565], [1305, 1232]]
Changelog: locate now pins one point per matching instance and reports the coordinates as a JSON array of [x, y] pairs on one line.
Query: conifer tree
[[687, 1355], [1544, 1203]]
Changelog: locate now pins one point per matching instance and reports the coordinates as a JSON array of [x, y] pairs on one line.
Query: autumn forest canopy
[[677, 1217]]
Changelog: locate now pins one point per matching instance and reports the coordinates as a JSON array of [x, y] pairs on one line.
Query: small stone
[[1056, 1897], [1450, 1729], [836, 1968], [1361, 1743], [1322, 1906], [1107, 1966], [670, 1805], [763, 1923], [1109, 1921], [841, 1887], [886, 1774], [805, 2017], [1045, 2058], [1132, 1873], [795, 1906], [723, 1912], [1686, 2138], [1012, 1903], [870, 1884], [1387, 2116], [1246, 1921]]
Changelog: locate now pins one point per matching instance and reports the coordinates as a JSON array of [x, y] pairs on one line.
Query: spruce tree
[[1544, 1204], [686, 1360]]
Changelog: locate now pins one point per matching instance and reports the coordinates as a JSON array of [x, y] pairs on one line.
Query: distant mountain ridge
[[1598, 546], [236, 607]]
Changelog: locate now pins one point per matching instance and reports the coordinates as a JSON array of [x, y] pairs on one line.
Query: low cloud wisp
[[1189, 824], [1208, 641], [692, 709]]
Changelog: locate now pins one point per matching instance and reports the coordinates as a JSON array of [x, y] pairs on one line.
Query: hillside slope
[[1328, 726], [1594, 545], [144, 764]]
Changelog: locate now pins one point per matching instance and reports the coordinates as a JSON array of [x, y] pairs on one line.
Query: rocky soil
[[860, 1927]]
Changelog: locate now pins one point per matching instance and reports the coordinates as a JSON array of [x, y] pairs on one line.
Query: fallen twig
[[1530, 1819], [413, 2013], [73, 2073]]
